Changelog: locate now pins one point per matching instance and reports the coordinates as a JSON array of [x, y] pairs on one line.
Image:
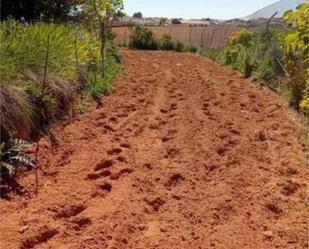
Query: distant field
[[209, 37]]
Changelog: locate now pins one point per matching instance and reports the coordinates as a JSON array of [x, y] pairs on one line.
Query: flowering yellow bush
[[296, 50]]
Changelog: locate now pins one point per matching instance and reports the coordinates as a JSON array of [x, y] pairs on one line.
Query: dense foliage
[[24, 47], [143, 38], [38, 86], [98, 14], [255, 54], [279, 57], [39, 10], [166, 42], [138, 15], [46, 67], [296, 57]]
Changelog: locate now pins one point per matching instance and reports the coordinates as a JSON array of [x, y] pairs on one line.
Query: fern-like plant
[[13, 157]]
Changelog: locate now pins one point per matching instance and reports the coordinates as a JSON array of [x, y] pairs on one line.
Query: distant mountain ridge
[[281, 7]]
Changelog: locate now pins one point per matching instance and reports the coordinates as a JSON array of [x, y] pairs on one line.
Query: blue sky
[[220, 9]]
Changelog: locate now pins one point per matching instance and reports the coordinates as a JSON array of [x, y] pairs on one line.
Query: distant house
[[176, 21]]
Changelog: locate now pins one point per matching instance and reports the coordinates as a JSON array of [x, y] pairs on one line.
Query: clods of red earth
[[185, 154]]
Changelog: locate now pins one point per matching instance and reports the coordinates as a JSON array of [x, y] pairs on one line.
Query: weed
[[191, 49], [213, 54], [17, 112], [13, 160], [81, 107]]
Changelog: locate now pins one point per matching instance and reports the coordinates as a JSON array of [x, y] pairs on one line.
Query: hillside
[[281, 7]]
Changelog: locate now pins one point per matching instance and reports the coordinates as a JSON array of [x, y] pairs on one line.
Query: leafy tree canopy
[[39, 10], [138, 15]]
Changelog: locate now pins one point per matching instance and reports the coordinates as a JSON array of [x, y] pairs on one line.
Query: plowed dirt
[[184, 154]]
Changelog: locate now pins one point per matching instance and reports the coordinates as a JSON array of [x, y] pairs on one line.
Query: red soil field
[[185, 154]]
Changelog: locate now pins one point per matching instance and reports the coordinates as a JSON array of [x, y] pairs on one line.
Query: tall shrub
[[166, 42], [237, 54], [296, 51], [143, 38]]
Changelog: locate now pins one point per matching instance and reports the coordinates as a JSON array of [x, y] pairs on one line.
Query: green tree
[[100, 14], [45, 10], [162, 21], [138, 15], [143, 38]]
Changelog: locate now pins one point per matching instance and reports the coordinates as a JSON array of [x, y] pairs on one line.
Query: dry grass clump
[[17, 112]]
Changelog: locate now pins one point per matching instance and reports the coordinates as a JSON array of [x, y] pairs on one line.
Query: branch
[[268, 22], [283, 68]]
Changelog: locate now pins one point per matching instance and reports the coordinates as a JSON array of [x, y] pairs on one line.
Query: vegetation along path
[[184, 154]]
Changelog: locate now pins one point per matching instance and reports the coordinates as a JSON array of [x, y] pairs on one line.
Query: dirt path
[[184, 155]]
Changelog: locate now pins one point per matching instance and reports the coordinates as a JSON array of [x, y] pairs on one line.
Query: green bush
[[213, 54], [245, 65], [166, 42], [100, 83], [143, 38], [191, 49], [266, 53], [230, 56], [265, 69], [279, 57], [237, 53], [296, 50], [24, 47], [179, 46], [243, 37], [255, 54], [304, 104]]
